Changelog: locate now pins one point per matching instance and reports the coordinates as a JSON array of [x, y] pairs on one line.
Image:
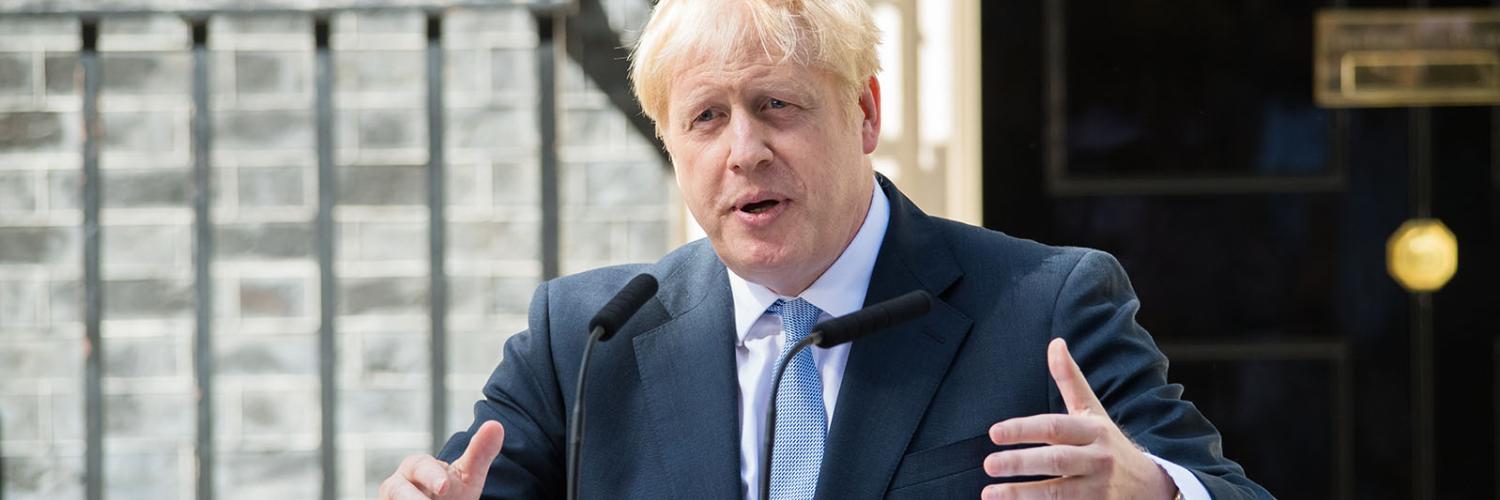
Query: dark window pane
[[1158, 88]]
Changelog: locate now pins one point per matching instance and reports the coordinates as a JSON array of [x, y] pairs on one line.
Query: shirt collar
[[839, 291]]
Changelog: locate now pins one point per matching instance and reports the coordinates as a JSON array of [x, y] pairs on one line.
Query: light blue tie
[[800, 417]]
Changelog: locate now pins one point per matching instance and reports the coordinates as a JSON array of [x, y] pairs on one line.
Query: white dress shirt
[[839, 291]]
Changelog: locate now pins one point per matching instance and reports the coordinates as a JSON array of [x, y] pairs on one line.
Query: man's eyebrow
[[782, 87]]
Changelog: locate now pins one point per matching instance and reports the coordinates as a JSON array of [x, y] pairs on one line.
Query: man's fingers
[[1071, 383], [425, 473], [397, 488], [432, 476], [1046, 461], [1048, 428], [1051, 489], [484, 446]]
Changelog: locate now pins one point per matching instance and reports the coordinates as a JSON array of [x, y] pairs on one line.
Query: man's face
[[771, 159]]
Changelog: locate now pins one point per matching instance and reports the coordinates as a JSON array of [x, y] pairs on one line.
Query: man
[[769, 109]]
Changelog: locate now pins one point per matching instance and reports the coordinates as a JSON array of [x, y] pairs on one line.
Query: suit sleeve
[[523, 395], [1095, 313]]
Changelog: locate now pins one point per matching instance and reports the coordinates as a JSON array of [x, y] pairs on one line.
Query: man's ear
[[869, 106]]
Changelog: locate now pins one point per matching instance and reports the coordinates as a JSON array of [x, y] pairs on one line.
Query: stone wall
[[616, 200]]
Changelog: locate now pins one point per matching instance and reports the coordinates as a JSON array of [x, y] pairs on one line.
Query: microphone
[[840, 330], [610, 318]]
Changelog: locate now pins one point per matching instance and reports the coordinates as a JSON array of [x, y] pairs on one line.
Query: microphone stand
[[575, 424], [769, 437]]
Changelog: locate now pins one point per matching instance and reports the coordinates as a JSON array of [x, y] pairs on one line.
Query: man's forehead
[[782, 76]]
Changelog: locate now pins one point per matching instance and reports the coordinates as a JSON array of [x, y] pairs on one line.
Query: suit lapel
[[687, 372], [891, 376]]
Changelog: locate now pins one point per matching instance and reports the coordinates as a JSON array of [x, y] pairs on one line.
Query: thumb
[[1071, 383], [484, 446]]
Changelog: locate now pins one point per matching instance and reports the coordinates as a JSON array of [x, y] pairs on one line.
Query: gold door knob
[[1422, 255]]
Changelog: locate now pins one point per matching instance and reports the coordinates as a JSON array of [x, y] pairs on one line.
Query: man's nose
[[748, 148]]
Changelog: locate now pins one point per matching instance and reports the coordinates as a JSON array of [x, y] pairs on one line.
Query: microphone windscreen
[[619, 309], [847, 328]]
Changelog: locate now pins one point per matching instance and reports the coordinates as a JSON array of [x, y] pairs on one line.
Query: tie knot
[[797, 318]]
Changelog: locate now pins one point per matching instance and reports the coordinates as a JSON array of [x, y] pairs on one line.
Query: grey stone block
[[272, 187], [463, 186], [65, 300], [266, 355], [399, 354], [273, 297], [513, 295], [494, 240], [140, 188], [143, 131], [160, 25], [282, 72], [468, 295], [64, 189], [269, 129], [517, 184], [142, 357], [392, 241], [461, 404], [280, 413], [382, 296], [15, 73], [647, 241], [463, 70], [39, 245], [39, 25], [475, 353], [264, 241], [388, 22], [588, 240], [384, 410], [18, 191], [36, 131], [486, 128], [590, 128], [158, 246], [62, 73], [265, 475], [67, 412], [263, 24], [59, 358], [392, 185], [20, 304], [148, 415], [144, 73], [392, 128], [498, 19], [625, 183], [20, 417], [44, 478], [148, 298], [143, 476], [513, 70], [380, 71]]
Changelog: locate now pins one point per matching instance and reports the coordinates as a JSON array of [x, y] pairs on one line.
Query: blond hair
[[836, 35]]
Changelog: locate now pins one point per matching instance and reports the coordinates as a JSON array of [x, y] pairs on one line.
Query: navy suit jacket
[[917, 401]]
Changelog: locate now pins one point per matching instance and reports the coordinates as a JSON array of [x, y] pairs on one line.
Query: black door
[[1183, 138]]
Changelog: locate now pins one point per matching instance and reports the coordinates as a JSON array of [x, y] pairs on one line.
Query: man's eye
[[776, 104], [706, 115]]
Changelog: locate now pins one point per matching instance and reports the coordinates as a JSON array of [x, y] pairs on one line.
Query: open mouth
[[759, 206]]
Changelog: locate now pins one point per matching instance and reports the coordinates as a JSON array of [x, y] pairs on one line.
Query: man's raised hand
[[1087, 452], [422, 477]]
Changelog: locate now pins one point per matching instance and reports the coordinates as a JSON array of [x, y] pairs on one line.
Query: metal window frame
[[1337, 353], [1061, 183]]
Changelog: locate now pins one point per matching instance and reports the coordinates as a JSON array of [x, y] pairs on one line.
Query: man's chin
[[753, 258]]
